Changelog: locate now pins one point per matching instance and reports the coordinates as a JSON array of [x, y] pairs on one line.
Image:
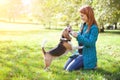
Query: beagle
[[63, 47]]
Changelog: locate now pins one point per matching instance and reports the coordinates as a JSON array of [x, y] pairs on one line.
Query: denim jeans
[[75, 62]]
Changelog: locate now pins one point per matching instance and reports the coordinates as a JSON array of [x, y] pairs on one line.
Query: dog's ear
[[69, 28], [66, 34]]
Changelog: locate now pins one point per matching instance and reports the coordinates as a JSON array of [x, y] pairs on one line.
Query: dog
[[63, 47]]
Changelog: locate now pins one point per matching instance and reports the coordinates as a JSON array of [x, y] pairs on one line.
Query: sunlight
[[26, 2], [3, 1]]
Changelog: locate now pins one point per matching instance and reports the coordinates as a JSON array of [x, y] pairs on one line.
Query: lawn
[[21, 57]]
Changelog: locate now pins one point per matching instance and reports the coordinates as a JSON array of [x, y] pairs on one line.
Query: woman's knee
[[77, 63], [69, 69], [68, 62]]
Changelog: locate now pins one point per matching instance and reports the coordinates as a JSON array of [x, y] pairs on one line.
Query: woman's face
[[84, 17]]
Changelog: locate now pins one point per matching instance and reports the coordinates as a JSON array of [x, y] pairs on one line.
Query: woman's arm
[[85, 40], [88, 41]]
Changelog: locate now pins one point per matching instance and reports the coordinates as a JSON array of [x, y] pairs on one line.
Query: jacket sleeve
[[88, 41]]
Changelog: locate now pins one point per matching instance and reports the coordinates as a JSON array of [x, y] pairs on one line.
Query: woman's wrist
[[74, 34]]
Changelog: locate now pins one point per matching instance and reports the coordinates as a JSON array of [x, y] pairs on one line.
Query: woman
[[87, 37]]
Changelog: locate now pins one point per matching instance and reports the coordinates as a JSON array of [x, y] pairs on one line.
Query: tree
[[14, 7], [107, 11]]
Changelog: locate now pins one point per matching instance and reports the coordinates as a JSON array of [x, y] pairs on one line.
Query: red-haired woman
[[87, 36]]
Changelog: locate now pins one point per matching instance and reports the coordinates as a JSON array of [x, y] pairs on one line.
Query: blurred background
[[56, 13]]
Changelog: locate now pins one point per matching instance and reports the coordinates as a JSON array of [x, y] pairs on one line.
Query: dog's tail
[[42, 46]]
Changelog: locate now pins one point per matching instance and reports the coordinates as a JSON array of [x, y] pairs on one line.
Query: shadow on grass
[[109, 75], [106, 75]]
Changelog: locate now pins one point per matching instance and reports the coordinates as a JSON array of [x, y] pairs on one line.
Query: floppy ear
[[66, 34], [69, 28], [68, 37]]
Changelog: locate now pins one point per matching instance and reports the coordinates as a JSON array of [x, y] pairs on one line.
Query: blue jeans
[[74, 63]]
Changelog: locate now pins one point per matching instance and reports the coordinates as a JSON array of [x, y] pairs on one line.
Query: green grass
[[21, 56]]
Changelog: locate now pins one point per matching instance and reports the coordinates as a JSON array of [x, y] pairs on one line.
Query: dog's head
[[66, 33]]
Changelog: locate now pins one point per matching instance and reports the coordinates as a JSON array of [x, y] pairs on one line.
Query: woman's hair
[[88, 11]]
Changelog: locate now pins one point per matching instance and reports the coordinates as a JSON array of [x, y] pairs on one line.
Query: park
[[21, 35]]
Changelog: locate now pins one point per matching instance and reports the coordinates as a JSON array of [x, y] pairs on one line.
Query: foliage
[[53, 12], [107, 11]]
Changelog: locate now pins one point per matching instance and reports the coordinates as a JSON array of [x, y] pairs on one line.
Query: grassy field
[[21, 56]]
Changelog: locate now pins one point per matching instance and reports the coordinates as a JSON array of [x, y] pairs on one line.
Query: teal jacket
[[89, 42]]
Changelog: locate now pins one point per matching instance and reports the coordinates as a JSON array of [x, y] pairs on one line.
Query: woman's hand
[[74, 34]]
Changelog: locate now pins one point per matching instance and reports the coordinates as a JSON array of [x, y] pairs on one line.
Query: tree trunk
[[115, 25], [49, 25], [102, 29]]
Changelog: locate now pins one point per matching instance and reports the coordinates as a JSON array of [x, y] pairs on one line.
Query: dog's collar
[[64, 39]]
